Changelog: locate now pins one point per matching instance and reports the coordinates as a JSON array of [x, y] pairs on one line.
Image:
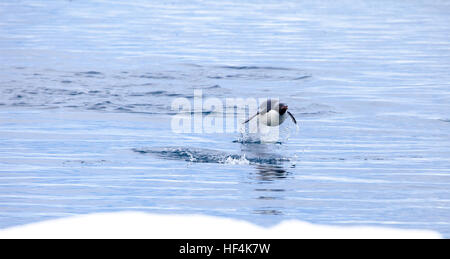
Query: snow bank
[[145, 225]]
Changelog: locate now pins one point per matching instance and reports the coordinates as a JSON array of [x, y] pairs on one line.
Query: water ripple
[[199, 155]]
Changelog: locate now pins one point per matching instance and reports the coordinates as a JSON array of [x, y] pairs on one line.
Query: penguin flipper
[[250, 118], [292, 117]]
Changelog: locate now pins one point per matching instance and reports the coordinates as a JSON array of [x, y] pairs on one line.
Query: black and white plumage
[[272, 113]]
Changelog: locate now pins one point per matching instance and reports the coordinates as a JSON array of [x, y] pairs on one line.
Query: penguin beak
[[284, 108]]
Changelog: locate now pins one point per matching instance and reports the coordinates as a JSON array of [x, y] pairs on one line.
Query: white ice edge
[[146, 225]]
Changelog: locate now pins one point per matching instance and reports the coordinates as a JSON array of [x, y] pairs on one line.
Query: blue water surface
[[85, 110]]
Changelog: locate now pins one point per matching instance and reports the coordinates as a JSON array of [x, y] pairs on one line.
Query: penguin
[[272, 113]]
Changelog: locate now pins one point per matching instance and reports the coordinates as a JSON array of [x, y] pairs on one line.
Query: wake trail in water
[[199, 155]]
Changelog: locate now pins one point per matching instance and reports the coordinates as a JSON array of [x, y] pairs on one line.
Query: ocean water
[[85, 110]]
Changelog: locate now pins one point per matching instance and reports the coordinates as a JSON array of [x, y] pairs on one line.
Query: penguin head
[[282, 108]]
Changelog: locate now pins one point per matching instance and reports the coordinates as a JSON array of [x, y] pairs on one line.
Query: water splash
[[200, 155], [236, 161], [266, 134]]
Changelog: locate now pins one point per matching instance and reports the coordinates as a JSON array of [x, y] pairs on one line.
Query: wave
[[149, 92]]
